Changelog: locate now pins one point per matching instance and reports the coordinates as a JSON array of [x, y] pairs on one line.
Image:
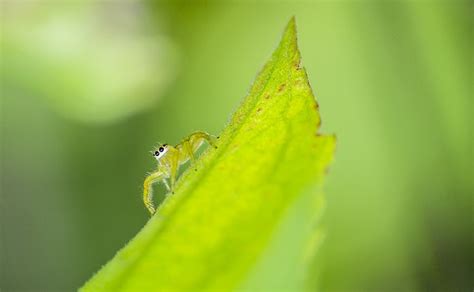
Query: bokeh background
[[88, 87]]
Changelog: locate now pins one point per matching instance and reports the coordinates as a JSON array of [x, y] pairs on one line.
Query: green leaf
[[216, 229]]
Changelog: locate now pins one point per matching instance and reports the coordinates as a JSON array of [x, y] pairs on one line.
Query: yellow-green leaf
[[216, 228]]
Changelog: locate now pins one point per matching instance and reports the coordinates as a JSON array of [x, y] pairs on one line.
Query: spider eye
[[162, 149], [157, 153]]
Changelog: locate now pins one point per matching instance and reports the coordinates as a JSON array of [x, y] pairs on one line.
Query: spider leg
[[173, 172], [196, 139], [191, 144], [189, 153], [165, 182], [148, 191]]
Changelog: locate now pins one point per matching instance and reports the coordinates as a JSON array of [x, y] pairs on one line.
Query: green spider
[[169, 160]]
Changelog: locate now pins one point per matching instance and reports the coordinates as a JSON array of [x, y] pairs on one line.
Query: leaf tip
[[288, 46], [292, 23], [290, 30]]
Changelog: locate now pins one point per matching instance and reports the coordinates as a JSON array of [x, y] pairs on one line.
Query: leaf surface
[[212, 232]]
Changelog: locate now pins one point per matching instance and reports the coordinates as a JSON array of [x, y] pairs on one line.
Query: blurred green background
[[87, 88]]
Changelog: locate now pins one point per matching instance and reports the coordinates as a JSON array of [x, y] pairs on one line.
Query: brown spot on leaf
[[282, 86], [267, 96], [259, 109]]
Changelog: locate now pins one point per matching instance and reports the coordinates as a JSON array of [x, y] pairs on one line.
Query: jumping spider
[[169, 160]]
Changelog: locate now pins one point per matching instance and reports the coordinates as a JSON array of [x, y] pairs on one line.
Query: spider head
[[160, 151]]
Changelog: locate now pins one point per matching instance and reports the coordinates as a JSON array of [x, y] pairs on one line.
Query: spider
[[169, 160]]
